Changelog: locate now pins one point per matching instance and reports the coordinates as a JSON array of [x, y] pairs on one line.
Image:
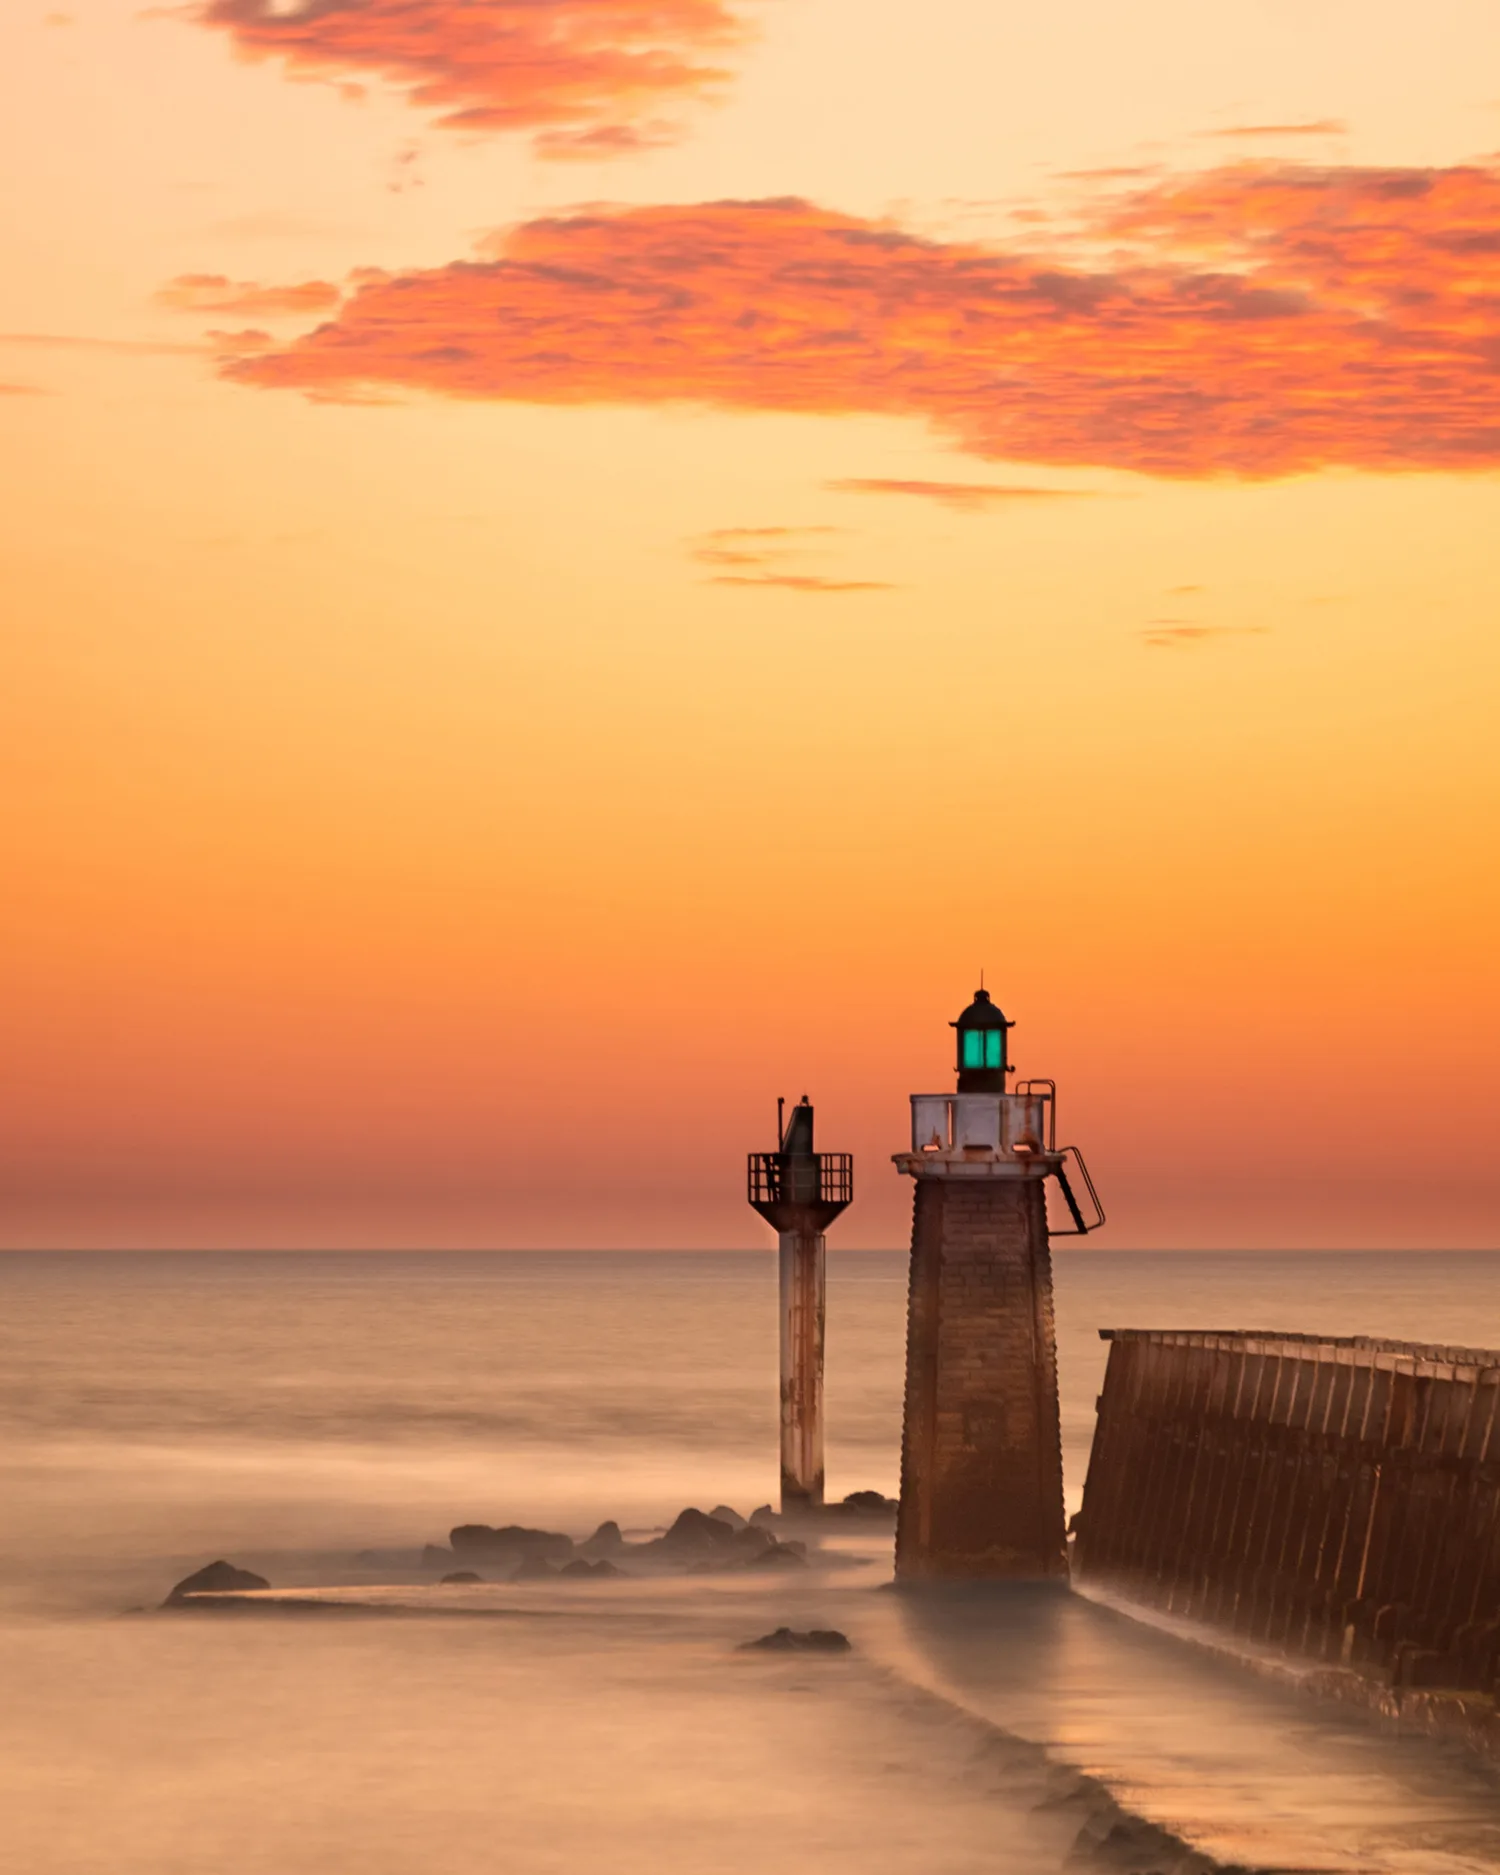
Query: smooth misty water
[[291, 1411]]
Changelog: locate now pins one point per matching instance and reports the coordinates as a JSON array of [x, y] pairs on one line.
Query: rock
[[765, 1515], [752, 1540], [780, 1556], [535, 1569], [218, 1578], [460, 1575], [513, 1539], [600, 1571], [606, 1541], [869, 1504], [721, 1513], [436, 1556], [788, 1641], [693, 1530]]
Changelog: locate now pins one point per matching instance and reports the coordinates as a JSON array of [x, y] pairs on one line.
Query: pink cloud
[[1252, 321], [586, 78]]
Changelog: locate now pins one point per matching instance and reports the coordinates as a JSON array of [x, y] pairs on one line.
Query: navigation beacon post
[[799, 1192], [981, 1459]]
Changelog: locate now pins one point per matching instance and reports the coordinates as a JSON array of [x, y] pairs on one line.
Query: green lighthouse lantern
[[982, 1062]]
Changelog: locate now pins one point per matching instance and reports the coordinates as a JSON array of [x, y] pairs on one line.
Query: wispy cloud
[[85, 342], [1258, 320], [1177, 634], [586, 79], [771, 533], [802, 582], [758, 556], [1111, 172], [1318, 127], [242, 299], [20, 390], [968, 497]]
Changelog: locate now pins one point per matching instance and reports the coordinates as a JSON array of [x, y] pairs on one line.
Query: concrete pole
[[802, 1313]]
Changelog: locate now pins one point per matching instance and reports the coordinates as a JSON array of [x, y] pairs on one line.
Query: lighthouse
[[799, 1192], [981, 1458]]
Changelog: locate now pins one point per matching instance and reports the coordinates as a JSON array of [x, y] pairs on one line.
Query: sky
[[570, 567]]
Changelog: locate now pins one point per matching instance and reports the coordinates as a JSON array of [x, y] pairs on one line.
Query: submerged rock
[[578, 1570], [535, 1569], [789, 1641], [218, 1578], [460, 1576]]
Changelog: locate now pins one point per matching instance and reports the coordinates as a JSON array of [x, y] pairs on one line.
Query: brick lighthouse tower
[[981, 1459]]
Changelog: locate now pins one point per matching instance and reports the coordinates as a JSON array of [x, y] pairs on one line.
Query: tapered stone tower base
[[981, 1457]]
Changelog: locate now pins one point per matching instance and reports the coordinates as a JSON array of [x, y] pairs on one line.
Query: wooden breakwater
[[1338, 1498]]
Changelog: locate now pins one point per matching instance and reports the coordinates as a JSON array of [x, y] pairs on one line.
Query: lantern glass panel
[[973, 1048], [994, 1047]]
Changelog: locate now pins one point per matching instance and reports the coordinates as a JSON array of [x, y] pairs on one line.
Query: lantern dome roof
[[982, 1014]]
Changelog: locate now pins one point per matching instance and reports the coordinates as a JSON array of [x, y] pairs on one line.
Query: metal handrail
[[1081, 1229], [1029, 1088]]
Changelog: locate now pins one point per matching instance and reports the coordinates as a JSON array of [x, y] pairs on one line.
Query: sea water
[[319, 1418]]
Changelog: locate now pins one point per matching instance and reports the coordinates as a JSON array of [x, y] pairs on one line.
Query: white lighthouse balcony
[[983, 1135]]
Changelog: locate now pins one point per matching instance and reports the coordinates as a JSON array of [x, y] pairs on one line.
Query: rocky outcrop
[[580, 1570], [693, 1530], [606, 1541], [218, 1578], [458, 1577], [780, 1556], [510, 1540], [866, 1504]]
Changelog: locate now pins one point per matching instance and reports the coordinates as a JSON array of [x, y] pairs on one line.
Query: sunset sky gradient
[[513, 663]]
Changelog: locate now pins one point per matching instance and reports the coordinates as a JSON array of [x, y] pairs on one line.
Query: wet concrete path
[[1255, 1774]]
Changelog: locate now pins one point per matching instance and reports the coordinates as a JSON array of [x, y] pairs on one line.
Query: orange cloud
[[584, 77], [213, 293], [966, 496], [1252, 321]]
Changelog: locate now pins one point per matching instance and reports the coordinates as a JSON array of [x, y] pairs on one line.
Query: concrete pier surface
[[1025, 1698], [1253, 1774]]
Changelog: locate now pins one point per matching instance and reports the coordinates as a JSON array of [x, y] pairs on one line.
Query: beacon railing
[[786, 1178], [1018, 1123]]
